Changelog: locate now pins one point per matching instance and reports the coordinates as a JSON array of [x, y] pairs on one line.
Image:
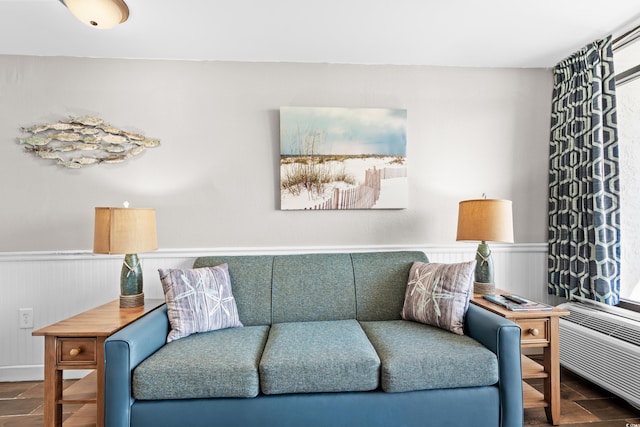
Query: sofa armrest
[[501, 336], [123, 351]]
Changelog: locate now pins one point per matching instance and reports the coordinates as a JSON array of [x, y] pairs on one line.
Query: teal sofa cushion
[[326, 356], [251, 284], [415, 356], [313, 287], [222, 363], [381, 280]]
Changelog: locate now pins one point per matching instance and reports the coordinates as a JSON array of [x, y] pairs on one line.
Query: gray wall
[[215, 179]]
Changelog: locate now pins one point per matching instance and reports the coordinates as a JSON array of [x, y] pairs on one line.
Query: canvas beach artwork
[[343, 158]]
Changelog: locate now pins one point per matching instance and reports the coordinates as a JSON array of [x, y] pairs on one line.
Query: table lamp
[[126, 231], [486, 220]]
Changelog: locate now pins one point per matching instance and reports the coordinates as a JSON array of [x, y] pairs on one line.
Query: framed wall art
[[343, 158]]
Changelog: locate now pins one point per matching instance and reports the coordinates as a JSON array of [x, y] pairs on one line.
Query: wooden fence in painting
[[363, 196], [394, 173]]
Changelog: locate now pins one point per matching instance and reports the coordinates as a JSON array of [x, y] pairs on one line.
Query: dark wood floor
[[583, 404]]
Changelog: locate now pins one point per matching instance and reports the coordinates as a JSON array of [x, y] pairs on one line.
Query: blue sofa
[[323, 344]]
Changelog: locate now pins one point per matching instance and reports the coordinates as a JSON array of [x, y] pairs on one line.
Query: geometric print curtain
[[584, 187]]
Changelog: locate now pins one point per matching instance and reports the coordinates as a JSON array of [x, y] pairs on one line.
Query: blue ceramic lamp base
[[484, 284], [131, 294]]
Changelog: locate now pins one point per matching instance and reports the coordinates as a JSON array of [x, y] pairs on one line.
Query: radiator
[[602, 344]]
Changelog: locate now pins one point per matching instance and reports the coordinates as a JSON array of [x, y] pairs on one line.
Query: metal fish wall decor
[[82, 141]]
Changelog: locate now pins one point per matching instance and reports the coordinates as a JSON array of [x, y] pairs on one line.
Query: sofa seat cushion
[[222, 363], [324, 356], [420, 357]]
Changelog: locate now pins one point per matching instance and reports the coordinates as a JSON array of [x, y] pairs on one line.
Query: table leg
[[52, 385], [100, 382], [552, 366]]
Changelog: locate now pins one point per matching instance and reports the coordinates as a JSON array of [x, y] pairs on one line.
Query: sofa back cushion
[[250, 283], [381, 280], [313, 287], [366, 286]]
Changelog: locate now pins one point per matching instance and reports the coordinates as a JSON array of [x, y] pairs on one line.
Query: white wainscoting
[[57, 285]]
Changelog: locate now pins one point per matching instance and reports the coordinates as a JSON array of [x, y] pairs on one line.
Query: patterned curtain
[[584, 188]]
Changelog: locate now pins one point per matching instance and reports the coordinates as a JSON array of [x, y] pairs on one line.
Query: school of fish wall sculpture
[[82, 141]]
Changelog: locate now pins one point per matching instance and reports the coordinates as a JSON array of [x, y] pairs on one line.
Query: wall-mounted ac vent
[[617, 330], [603, 346]]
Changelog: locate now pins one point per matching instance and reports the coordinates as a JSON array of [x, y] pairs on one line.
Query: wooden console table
[[539, 329], [78, 343]]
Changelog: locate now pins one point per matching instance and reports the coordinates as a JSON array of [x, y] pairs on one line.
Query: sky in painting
[[345, 131]]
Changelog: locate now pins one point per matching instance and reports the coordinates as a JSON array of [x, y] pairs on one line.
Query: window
[[627, 68]]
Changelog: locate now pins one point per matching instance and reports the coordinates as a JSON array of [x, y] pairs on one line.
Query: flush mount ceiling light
[[98, 13]]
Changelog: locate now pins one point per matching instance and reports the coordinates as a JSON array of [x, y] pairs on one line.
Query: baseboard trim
[[34, 373]]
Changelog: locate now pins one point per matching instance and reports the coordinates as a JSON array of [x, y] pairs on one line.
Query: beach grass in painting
[[343, 158]]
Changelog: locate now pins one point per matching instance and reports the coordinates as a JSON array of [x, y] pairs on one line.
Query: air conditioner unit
[[602, 344]]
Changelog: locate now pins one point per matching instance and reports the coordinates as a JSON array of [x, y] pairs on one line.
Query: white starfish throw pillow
[[198, 300], [438, 294]]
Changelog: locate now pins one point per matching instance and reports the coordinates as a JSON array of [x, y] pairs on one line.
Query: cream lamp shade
[[101, 14], [126, 231], [485, 220]]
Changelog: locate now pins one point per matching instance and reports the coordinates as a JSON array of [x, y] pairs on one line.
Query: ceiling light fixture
[[101, 14]]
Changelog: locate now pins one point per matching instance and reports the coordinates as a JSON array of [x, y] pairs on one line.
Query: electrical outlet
[[26, 318]]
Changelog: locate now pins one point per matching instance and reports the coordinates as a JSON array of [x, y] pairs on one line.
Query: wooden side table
[[539, 329], [78, 343]]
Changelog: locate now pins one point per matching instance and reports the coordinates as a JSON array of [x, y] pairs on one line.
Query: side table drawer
[[534, 331], [76, 351]]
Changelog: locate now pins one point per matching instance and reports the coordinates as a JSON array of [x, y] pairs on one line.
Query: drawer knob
[[74, 352], [535, 332]]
